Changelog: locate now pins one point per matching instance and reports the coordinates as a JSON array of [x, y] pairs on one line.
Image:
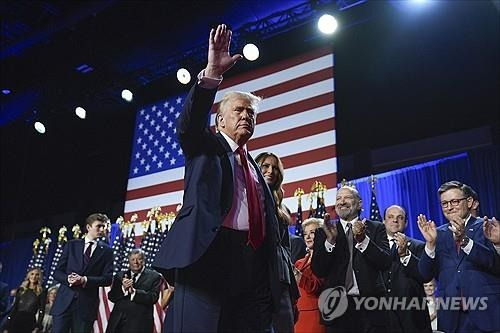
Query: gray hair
[[230, 95], [137, 251]]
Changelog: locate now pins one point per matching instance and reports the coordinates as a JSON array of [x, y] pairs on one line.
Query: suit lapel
[[98, 252]]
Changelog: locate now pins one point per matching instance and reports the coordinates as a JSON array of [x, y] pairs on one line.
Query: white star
[[136, 170], [171, 110], [157, 128], [163, 133], [144, 146], [142, 112], [156, 143], [179, 152], [146, 131], [147, 117], [164, 119], [174, 145], [169, 138], [159, 113], [175, 130], [155, 158], [143, 161], [165, 105], [170, 124], [152, 122], [141, 125], [172, 161], [147, 167], [137, 155], [159, 164], [139, 140], [150, 152], [167, 154], [153, 108], [178, 100], [177, 114], [151, 137], [162, 148]]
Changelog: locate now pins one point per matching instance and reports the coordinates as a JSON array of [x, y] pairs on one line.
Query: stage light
[[183, 76], [39, 127], [327, 24], [251, 52], [80, 112], [6, 91], [127, 95]]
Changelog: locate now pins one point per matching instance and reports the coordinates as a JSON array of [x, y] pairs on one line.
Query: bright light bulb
[[127, 95], [40, 128], [183, 76], [251, 52], [327, 24], [80, 112]]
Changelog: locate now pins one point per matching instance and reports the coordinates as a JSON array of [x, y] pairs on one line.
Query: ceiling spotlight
[[327, 24], [39, 127], [127, 95], [80, 112], [251, 52], [183, 76]]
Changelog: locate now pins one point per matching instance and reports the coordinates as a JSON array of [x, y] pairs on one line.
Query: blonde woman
[[47, 318], [29, 301], [310, 285]]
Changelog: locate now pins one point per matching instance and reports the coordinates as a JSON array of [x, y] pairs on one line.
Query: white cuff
[[329, 247], [468, 247], [363, 245], [406, 259], [208, 82], [431, 254]]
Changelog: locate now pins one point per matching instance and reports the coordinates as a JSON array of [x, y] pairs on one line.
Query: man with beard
[[352, 253]]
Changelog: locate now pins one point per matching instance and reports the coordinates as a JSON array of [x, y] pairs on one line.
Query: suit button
[[458, 271], [215, 229], [389, 290]]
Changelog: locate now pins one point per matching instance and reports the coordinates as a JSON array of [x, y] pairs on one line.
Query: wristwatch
[[464, 242]]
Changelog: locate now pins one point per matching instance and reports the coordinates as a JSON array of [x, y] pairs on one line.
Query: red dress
[[310, 288]]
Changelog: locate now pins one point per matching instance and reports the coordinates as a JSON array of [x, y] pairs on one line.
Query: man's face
[[454, 204], [238, 120], [394, 220], [96, 229], [136, 262], [347, 204]]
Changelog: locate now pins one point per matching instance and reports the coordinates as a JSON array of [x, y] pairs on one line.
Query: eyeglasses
[[453, 202]]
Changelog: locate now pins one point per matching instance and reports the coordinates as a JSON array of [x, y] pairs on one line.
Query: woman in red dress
[[309, 285]]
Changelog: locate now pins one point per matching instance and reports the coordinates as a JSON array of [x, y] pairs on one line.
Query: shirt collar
[[233, 145], [88, 240], [344, 222]]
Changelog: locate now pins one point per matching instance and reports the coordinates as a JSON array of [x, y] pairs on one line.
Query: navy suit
[[367, 266], [83, 300], [465, 275], [134, 315], [405, 281], [193, 248]]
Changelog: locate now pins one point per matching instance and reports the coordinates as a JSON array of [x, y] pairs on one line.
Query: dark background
[[403, 73]]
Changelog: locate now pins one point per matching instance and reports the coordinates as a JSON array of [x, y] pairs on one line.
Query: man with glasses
[[463, 261]]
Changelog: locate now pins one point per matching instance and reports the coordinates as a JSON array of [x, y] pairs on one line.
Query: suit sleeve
[[116, 292], [485, 257], [322, 261], [193, 124], [377, 252], [60, 273], [149, 296]]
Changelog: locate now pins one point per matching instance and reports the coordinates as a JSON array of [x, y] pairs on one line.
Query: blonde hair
[[25, 285], [312, 220]]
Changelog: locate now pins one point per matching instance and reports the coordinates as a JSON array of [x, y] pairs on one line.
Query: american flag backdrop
[[296, 121]]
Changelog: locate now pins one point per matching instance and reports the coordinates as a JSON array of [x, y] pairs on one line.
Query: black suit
[[298, 248], [367, 266], [211, 262], [134, 315], [406, 281]]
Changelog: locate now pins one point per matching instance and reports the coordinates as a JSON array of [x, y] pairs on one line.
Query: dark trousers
[[359, 321], [71, 320], [227, 290], [283, 320]]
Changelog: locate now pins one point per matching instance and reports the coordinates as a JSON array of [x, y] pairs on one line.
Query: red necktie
[[256, 230]]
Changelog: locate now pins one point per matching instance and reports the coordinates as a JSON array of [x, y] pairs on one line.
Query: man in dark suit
[[134, 293], [85, 265], [464, 262], [352, 254], [223, 246], [297, 248], [402, 280]]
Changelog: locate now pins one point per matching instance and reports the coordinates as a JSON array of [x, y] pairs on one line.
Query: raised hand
[[330, 229], [127, 283], [219, 59], [491, 229], [457, 226], [401, 243], [428, 230]]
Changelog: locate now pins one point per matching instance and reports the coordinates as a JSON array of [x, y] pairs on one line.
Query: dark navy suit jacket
[[208, 194], [99, 273], [465, 275]]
